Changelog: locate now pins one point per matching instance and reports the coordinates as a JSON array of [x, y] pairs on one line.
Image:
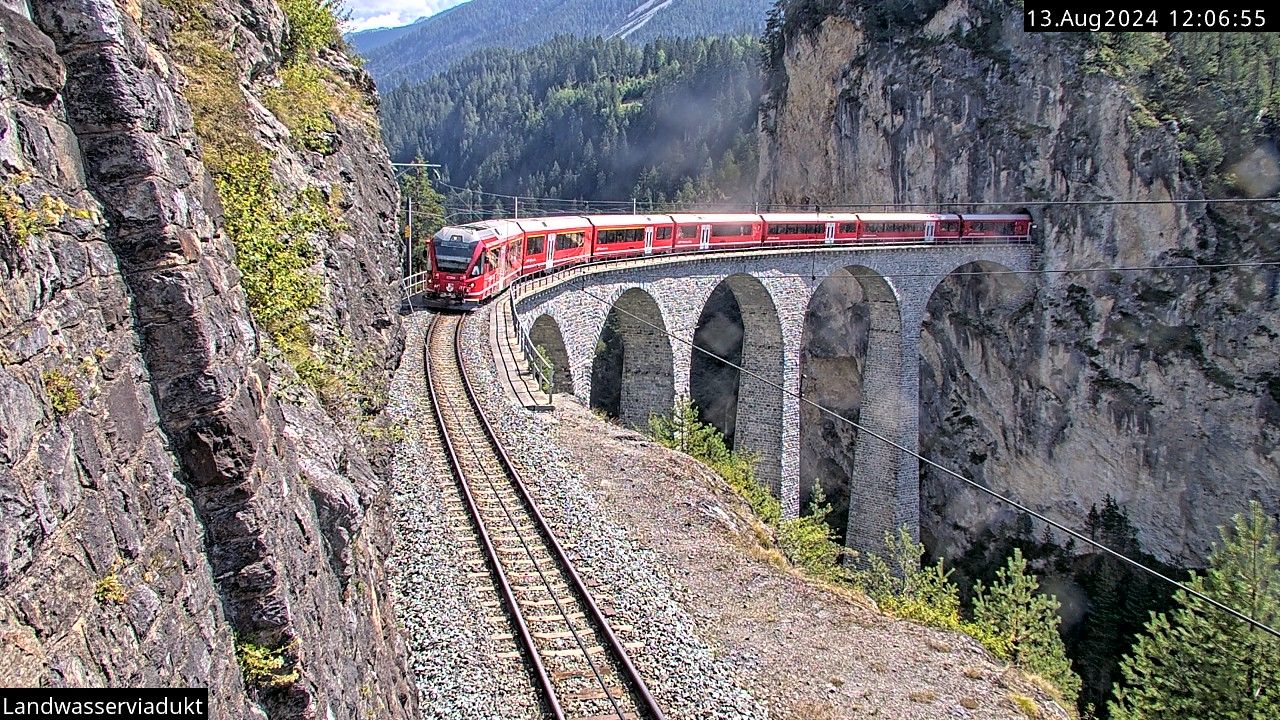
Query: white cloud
[[366, 14]]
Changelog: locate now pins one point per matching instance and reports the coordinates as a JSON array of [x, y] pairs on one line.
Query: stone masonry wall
[[886, 488]]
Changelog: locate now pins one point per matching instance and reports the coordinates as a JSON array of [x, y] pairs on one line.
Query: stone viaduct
[[566, 314]]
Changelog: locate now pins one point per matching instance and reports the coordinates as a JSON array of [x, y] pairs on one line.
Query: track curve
[[580, 667]]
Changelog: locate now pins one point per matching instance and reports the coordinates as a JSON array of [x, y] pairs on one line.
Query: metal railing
[[536, 361]]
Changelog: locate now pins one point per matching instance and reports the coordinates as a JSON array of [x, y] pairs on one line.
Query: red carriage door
[[704, 237], [648, 240], [831, 233]]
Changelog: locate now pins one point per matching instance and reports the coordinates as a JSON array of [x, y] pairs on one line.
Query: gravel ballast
[[725, 629], [449, 618], [728, 629]]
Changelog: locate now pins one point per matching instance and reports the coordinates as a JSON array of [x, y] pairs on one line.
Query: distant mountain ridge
[[368, 40], [430, 45]]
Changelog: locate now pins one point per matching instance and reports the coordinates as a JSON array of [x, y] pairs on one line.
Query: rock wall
[[1156, 387], [168, 487]]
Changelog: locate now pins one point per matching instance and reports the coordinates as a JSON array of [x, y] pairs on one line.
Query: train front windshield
[[453, 253]]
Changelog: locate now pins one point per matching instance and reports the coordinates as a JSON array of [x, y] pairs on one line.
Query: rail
[[515, 506]]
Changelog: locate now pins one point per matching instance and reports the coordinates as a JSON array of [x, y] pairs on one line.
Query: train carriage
[[705, 232], [619, 236], [809, 228], [907, 227], [996, 227], [554, 242], [471, 263]]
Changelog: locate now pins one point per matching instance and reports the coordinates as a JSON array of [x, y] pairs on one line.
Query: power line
[[967, 273], [1002, 498], [896, 205], [1035, 203]]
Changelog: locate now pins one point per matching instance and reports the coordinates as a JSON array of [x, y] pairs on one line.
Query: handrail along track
[[498, 501]]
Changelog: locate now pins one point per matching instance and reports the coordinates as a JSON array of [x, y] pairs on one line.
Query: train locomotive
[[474, 262]]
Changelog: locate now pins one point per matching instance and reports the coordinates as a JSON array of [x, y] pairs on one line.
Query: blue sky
[[367, 14]]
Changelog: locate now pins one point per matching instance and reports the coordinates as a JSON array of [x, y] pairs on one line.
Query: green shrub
[[110, 590], [64, 396], [273, 238], [1027, 623], [308, 99], [810, 544], [261, 666], [1026, 706], [313, 24], [302, 104], [683, 431], [23, 221]]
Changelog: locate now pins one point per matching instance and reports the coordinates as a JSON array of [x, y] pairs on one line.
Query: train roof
[[808, 217], [628, 220], [906, 217], [1004, 217], [501, 228], [551, 224], [715, 218]]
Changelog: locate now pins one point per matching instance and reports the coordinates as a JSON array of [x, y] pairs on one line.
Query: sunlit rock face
[[1160, 388], [168, 487]]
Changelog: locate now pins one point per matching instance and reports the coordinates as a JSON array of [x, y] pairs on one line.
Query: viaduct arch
[[773, 290]]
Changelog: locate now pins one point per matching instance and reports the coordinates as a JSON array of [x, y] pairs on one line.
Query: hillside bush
[[1012, 620], [313, 25]]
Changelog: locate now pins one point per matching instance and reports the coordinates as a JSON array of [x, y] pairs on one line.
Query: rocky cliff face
[[172, 495], [1156, 387]]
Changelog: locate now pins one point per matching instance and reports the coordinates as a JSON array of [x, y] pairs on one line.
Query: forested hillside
[[592, 119], [432, 45]]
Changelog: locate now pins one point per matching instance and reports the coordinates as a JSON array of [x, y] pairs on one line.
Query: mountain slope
[[367, 41], [589, 118], [430, 45]]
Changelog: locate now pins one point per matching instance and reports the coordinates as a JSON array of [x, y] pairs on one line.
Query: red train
[[472, 263]]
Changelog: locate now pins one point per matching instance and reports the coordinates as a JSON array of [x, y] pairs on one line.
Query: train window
[[453, 254], [535, 244], [664, 233], [948, 226], [569, 241], [487, 262], [688, 232], [724, 230], [848, 228], [797, 229], [894, 227], [993, 228], [609, 237]]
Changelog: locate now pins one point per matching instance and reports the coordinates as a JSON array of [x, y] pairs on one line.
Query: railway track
[[580, 668]]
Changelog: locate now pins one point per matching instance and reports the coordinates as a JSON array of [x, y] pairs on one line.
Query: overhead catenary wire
[[1061, 271], [1020, 203], [998, 496]]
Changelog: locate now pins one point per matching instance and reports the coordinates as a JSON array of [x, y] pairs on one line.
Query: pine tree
[[1199, 662], [428, 211], [1027, 621]]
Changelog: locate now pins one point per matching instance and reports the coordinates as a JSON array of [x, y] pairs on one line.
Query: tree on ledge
[[1199, 662]]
